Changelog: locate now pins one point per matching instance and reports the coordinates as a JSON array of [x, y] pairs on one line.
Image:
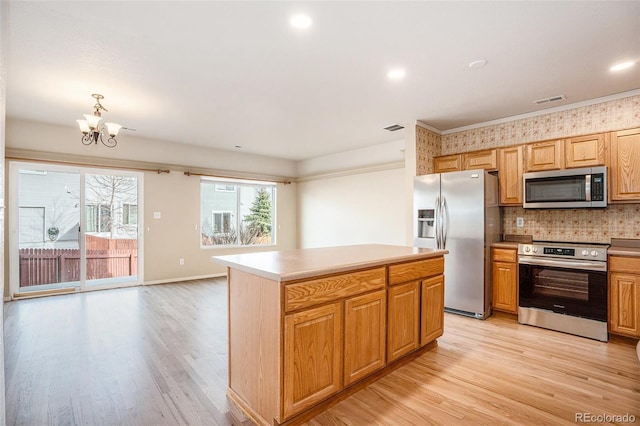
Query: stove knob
[[535, 249], [594, 253], [527, 249], [585, 252]]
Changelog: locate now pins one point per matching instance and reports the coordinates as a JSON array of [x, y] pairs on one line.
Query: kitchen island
[[308, 327]]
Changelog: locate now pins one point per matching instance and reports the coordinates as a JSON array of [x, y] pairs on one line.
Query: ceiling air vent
[[394, 127], [551, 99]]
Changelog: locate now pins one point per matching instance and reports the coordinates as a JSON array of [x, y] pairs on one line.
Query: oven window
[[561, 283], [566, 188]]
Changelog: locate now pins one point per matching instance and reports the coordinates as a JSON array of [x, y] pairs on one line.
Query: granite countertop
[[289, 265]]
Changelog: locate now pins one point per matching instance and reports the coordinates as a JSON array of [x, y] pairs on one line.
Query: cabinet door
[[486, 159], [432, 318], [624, 174], [545, 156], [624, 304], [312, 357], [584, 151], [365, 341], [505, 286], [404, 319], [510, 170], [448, 163]]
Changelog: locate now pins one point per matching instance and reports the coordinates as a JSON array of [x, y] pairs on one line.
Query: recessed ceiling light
[[478, 64], [622, 66], [396, 74], [300, 21]]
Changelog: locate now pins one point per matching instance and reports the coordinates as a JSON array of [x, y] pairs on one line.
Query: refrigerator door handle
[[437, 222], [443, 222]]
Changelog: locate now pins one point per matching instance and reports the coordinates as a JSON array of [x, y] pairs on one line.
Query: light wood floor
[[157, 355]]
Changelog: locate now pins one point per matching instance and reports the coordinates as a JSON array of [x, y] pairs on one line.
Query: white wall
[[355, 209], [176, 196]]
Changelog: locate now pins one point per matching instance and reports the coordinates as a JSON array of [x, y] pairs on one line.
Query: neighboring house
[[50, 201]]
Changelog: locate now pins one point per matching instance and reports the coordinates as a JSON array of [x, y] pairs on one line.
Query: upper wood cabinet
[[624, 173], [585, 151], [447, 163], [486, 159], [548, 155], [510, 170]]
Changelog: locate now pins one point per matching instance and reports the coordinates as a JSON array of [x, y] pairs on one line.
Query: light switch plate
[[520, 222], [157, 215]]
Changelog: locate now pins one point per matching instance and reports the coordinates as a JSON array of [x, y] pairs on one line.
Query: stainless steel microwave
[[566, 189]]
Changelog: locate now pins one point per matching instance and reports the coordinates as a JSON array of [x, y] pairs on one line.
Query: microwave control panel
[[597, 187]]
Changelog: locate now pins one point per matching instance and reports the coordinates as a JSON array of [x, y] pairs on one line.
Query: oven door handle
[[590, 266]]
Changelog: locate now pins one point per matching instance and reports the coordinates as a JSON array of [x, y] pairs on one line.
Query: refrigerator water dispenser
[[426, 219]]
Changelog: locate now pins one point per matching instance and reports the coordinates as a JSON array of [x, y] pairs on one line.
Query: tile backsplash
[[579, 225]]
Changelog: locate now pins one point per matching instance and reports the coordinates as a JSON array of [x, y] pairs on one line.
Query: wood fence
[[49, 266]]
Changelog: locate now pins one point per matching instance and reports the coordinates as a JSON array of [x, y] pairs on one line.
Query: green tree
[[260, 218]]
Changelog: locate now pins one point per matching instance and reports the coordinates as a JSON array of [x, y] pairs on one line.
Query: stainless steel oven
[[564, 287]]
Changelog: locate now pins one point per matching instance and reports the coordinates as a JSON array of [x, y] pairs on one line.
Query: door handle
[[444, 222], [437, 222]]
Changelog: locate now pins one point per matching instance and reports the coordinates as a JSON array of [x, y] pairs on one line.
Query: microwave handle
[[587, 187]]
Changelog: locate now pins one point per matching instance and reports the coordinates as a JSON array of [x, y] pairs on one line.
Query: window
[[225, 188], [31, 225], [236, 214], [98, 218], [129, 214]]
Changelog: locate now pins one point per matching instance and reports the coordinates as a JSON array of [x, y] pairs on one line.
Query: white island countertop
[[289, 265]]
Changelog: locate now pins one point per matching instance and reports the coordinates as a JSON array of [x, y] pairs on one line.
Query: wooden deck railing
[[49, 266]]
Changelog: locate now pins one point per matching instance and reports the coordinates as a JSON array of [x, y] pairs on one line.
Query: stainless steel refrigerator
[[459, 212]]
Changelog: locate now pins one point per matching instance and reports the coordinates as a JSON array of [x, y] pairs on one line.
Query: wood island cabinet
[[432, 303], [548, 155], [624, 295], [313, 348], [585, 151], [365, 339], [505, 279], [404, 319], [308, 326], [624, 173], [510, 171]]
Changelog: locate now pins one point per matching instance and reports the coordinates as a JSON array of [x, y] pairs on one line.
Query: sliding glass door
[[48, 245], [73, 227]]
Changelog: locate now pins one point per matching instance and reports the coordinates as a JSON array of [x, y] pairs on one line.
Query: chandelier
[[92, 130]]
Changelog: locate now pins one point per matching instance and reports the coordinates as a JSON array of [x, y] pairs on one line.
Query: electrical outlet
[[182, 261], [520, 222]]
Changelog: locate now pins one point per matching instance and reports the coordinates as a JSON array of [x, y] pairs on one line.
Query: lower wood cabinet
[[404, 319], [624, 296], [432, 306], [365, 342], [313, 354], [504, 280]]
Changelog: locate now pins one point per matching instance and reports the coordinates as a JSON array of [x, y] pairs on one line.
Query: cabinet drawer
[[415, 270], [624, 264], [313, 292], [505, 255]]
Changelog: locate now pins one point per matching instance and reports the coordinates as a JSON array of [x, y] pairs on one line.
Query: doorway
[[73, 228]]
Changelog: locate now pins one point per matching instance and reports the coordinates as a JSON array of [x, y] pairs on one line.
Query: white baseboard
[[180, 279]]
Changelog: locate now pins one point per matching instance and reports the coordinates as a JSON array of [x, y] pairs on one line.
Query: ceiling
[[228, 74]]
